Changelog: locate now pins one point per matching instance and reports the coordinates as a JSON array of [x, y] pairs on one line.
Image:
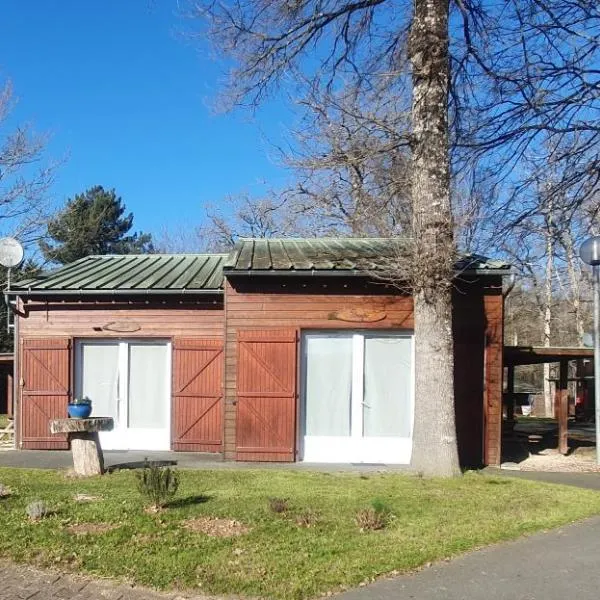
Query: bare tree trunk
[[575, 284], [548, 398], [434, 441]]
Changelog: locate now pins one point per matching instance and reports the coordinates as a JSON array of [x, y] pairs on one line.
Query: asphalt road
[[564, 563]]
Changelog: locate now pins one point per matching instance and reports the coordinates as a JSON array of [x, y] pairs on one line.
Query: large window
[[357, 387]]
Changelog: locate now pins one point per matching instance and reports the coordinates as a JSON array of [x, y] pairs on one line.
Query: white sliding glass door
[[130, 382], [357, 397]]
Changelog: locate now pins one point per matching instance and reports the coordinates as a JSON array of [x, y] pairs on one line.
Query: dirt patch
[[216, 527], [91, 528]]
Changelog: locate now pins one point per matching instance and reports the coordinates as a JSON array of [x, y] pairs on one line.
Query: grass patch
[[276, 554], [3, 421]]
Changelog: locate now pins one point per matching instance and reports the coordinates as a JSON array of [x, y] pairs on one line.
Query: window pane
[[98, 378], [147, 386], [387, 408], [328, 385]]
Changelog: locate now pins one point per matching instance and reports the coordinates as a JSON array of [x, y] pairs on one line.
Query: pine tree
[[94, 222]]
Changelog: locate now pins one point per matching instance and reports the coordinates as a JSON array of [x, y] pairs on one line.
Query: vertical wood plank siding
[[186, 322], [286, 305], [266, 395], [45, 386], [478, 320], [197, 395], [494, 313]]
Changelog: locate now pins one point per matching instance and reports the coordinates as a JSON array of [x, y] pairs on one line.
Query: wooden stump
[[83, 436], [88, 459]]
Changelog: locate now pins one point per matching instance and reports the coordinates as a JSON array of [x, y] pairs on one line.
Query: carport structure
[[534, 355]]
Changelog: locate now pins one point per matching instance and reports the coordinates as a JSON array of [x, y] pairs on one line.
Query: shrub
[[157, 484], [375, 517], [278, 505], [308, 518], [37, 510]]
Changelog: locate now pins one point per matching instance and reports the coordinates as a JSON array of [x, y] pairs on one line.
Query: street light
[[590, 254]]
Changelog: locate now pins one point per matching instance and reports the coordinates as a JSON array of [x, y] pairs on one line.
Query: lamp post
[[590, 254]]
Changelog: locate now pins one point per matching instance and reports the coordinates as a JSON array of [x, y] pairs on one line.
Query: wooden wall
[[478, 324], [287, 306], [195, 326], [101, 318], [284, 307]]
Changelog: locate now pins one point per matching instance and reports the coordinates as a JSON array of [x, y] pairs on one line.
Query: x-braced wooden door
[[266, 395]]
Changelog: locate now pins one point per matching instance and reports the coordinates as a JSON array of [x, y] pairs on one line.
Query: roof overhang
[[27, 293], [535, 355], [228, 272]]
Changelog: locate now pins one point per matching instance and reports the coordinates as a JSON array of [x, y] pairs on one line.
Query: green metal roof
[[344, 255], [203, 273], [131, 274]]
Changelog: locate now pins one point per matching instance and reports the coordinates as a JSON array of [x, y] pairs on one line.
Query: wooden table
[[84, 441]]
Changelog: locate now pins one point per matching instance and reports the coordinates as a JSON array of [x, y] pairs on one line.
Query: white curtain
[[98, 377], [328, 384], [147, 386], [387, 407]]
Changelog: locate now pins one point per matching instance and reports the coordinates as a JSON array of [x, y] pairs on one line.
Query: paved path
[[552, 566], [25, 583], [62, 459]]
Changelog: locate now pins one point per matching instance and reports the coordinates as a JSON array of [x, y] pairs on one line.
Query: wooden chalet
[[284, 350]]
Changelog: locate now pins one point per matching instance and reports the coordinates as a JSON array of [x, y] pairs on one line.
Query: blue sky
[[126, 99]]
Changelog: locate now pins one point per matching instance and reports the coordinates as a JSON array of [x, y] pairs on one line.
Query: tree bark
[[575, 284], [434, 440], [88, 459], [548, 399]]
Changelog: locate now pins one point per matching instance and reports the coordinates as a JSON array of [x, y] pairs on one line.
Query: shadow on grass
[[140, 464], [188, 501]]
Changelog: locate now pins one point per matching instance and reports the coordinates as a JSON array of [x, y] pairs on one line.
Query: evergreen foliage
[[94, 222]]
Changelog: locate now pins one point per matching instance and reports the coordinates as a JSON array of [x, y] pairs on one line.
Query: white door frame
[[123, 437], [356, 448]]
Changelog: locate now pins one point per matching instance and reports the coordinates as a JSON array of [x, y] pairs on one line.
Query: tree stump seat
[[84, 441]]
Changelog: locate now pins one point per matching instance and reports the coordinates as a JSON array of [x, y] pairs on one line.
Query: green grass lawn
[[277, 557]]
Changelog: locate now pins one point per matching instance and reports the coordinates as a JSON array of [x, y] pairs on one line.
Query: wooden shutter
[[266, 396], [45, 374], [197, 395]]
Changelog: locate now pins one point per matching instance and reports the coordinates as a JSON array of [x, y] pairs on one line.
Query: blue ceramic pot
[[79, 411]]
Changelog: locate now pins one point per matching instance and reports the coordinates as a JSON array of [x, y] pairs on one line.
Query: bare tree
[[515, 76], [364, 42], [25, 177]]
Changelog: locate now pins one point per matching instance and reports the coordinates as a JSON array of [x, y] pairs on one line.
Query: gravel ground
[[580, 461]]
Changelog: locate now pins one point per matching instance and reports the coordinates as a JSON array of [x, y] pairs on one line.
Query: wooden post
[[88, 458], [510, 393], [85, 443], [562, 407], [9, 395]]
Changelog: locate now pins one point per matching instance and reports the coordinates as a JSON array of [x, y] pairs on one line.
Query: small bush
[[308, 518], [374, 518], [157, 484], [278, 505], [37, 510]]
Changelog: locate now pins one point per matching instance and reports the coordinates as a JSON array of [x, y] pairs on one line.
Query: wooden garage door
[[266, 395], [45, 389], [197, 395]]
